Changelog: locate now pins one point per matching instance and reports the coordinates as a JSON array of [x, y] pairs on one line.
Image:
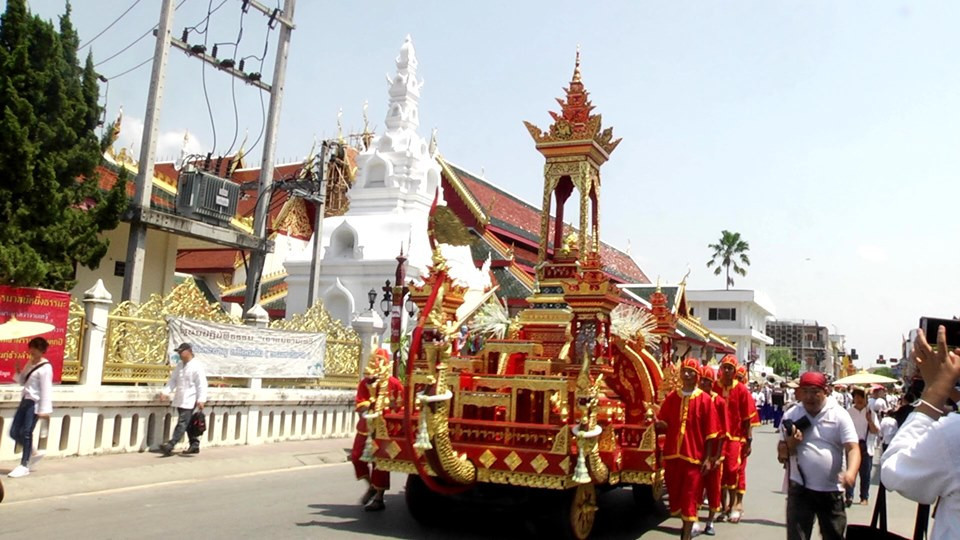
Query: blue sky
[[826, 133]]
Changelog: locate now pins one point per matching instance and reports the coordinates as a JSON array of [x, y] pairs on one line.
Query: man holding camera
[[815, 436]]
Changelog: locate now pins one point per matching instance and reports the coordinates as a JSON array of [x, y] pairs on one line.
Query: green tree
[[780, 359], [729, 252], [51, 205], [885, 371]]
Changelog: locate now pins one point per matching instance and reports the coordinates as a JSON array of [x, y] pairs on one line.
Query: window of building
[[722, 314]]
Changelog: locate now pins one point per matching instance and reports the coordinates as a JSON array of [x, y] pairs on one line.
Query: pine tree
[[52, 209]]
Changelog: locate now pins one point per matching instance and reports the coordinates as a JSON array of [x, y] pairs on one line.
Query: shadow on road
[[617, 518]]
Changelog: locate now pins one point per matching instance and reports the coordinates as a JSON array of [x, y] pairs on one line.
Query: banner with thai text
[[34, 305], [247, 352]]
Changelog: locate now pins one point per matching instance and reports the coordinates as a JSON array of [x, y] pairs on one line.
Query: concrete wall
[[131, 419], [161, 264]]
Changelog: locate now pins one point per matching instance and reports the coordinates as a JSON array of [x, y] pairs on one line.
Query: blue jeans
[[22, 429], [866, 467]]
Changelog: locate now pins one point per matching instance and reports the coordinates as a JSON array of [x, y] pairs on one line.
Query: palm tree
[[730, 251]]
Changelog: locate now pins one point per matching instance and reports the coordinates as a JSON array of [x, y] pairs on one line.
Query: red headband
[[812, 378]]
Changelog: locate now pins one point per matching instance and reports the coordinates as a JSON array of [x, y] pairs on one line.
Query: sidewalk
[[68, 476]]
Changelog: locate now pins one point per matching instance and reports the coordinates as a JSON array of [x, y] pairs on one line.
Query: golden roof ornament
[[575, 123]]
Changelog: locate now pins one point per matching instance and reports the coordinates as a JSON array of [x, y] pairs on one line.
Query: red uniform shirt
[[365, 393], [720, 407], [738, 400], [754, 415], [691, 422]]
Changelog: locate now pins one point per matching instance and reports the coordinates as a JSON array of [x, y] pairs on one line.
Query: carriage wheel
[[583, 511]]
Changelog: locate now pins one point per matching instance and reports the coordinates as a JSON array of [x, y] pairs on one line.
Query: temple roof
[[520, 219]]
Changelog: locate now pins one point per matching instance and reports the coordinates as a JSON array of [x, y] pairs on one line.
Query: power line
[[203, 75], [134, 68], [233, 86], [109, 26], [134, 42]]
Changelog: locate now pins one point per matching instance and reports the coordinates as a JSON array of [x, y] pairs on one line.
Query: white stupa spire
[[402, 112]]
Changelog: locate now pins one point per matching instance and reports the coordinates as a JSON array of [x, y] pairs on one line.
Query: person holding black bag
[[36, 403], [188, 383], [814, 438]]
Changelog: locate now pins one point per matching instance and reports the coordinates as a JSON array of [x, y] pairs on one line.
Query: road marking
[[187, 481]]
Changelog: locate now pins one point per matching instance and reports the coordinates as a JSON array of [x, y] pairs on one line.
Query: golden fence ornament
[[136, 349], [341, 364], [137, 340], [73, 346]]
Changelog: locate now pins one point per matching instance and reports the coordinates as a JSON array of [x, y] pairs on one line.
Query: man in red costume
[[377, 481], [689, 420], [742, 378], [711, 481], [740, 435]]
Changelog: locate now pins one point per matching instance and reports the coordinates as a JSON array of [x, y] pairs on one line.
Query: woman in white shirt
[[35, 403], [922, 463]]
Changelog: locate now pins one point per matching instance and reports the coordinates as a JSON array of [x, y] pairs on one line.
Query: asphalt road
[[320, 501]]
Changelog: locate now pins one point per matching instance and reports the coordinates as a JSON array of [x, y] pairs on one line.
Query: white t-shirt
[[878, 405], [188, 383], [861, 423], [888, 429], [821, 454]]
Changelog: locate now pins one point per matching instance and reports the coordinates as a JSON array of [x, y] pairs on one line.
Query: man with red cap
[[689, 421], [815, 436], [740, 435], [378, 481], [742, 378], [711, 480]]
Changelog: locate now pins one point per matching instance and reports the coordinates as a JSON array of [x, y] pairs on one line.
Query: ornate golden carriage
[[562, 403]]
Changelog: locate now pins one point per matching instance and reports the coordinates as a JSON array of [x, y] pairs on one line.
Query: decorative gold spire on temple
[[575, 123], [576, 66]]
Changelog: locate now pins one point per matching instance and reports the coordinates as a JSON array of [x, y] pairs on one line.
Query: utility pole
[[137, 243], [320, 206], [255, 269]]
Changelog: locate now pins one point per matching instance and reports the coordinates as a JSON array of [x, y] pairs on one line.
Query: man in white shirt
[[864, 421], [188, 383], [820, 433]]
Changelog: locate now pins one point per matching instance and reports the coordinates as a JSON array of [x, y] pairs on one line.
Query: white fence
[[89, 421]]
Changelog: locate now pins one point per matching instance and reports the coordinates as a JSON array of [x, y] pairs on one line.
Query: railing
[[116, 421], [72, 366]]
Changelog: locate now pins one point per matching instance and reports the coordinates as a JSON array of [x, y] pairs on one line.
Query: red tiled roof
[[514, 218], [201, 261], [107, 177]]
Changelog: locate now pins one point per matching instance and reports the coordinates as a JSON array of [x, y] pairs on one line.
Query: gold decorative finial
[[658, 283], [366, 122], [576, 68]]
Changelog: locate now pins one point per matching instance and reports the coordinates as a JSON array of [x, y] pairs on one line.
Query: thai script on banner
[[39, 305], [248, 352]]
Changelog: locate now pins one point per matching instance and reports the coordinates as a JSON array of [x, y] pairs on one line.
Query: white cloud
[[169, 143], [872, 253]]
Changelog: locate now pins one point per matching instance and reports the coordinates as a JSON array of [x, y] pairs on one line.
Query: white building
[[739, 316], [396, 182]]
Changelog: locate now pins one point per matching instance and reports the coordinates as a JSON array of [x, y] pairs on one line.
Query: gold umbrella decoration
[[865, 377], [15, 329]]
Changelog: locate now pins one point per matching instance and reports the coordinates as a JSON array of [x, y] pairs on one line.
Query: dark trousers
[[182, 422], [777, 415], [21, 431], [866, 466], [803, 505]]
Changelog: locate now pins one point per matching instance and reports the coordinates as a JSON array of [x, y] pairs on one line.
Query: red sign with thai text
[[38, 305]]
